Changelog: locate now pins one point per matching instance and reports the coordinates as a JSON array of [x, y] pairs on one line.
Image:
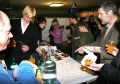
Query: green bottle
[[13, 64]]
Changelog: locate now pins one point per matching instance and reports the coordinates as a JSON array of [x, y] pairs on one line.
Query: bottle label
[[13, 66], [49, 76]]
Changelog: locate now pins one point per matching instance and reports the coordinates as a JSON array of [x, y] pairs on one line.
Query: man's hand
[[69, 41], [15, 70], [95, 67], [25, 48], [114, 52], [69, 35], [94, 49], [80, 50]]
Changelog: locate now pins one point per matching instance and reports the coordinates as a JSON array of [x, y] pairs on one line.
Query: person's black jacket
[[111, 72], [29, 38]]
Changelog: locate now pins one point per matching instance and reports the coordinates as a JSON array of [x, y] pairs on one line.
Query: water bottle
[[48, 69]]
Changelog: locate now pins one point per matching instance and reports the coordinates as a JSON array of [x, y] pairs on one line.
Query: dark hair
[[73, 16], [91, 17], [39, 20], [108, 5], [83, 24], [82, 19]]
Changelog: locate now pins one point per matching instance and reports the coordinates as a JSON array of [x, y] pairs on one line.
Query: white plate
[[89, 56], [92, 47]]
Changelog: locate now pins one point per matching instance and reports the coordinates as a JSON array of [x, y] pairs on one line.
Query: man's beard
[[104, 23]]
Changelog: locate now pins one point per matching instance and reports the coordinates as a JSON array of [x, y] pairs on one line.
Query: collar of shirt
[[109, 26], [22, 26]]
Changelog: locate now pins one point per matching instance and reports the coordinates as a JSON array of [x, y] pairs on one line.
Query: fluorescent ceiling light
[[56, 4]]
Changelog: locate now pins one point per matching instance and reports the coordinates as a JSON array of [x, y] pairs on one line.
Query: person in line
[[108, 15], [92, 25], [100, 27], [83, 19], [69, 27], [50, 36], [57, 33], [24, 74], [110, 73], [26, 36], [75, 33], [86, 37]]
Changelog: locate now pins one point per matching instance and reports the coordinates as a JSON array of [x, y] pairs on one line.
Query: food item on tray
[[88, 62], [58, 58], [65, 55], [89, 59]]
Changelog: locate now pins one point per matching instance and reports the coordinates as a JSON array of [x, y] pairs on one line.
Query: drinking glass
[[111, 45]]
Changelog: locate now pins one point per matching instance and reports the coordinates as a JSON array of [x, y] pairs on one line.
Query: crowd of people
[[28, 35]]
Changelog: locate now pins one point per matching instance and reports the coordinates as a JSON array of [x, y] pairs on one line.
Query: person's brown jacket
[[113, 34]]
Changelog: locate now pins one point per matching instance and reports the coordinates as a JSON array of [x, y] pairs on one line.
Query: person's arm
[[57, 33], [114, 37], [26, 74], [114, 52], [108, 72], [111, 74], [6, 76], [39, 50], [54, 34]]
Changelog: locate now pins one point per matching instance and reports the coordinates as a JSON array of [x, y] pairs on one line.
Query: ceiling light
[[56, 4]]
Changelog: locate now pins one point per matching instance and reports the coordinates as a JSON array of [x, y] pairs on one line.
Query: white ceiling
[[42, 6]]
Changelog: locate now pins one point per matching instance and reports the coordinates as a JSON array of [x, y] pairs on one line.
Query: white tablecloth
[[69, 72]]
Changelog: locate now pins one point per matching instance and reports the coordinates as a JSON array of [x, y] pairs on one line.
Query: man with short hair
[[24, 74], [75, 33], [108, 15]]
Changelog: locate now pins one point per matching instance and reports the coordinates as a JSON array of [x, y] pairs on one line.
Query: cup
[[111, 45], [52, 52]]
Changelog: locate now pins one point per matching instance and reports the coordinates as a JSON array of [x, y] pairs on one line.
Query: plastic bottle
[[39, 75], [32, 59]]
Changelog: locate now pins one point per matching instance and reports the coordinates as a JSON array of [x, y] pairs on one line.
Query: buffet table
[[70, 71]]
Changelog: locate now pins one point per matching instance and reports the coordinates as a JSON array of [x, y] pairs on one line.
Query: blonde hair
[[55, 23], [29, 11]]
